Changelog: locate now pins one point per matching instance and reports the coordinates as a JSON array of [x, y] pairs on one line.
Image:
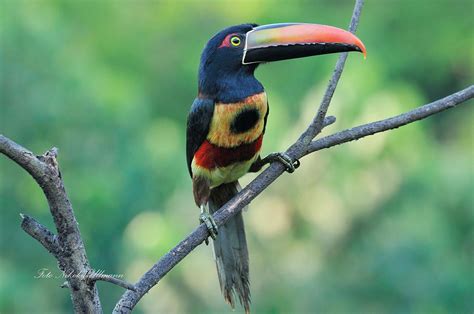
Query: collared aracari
[[227, 122]]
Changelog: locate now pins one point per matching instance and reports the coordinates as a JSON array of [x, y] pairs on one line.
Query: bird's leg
[[206, 218], [202, 191], [290, 164]]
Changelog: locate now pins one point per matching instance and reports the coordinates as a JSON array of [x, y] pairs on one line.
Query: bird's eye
[[235, 41]]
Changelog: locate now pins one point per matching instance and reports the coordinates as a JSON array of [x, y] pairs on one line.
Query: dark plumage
[[222, 77], [197, 128], [245, 120]]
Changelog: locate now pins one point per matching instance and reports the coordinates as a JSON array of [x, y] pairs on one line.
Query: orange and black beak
[[275, 42]]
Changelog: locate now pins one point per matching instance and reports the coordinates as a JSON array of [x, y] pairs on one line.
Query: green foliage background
[[382, 225]]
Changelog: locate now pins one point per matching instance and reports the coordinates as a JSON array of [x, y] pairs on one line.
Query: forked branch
[[259, 184], [67, 246]]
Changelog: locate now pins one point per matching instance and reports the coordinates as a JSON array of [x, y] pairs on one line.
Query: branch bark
[[419, 113], [317, 124], [70, 252], [35, 229], [67, 246], [112, 280]]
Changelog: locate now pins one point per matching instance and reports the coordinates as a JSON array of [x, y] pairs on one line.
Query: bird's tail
[[230, 249]]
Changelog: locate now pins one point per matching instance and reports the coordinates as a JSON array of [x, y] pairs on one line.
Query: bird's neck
[[225, 87]]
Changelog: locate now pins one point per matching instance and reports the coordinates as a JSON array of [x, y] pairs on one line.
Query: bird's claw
[[290, 164], [210, 223]]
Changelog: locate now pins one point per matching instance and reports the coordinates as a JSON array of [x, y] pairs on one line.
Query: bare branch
[[72, 258], [392, 123], [48, 239], [318, 121], [173, 257], [161, 268], [112, 280], [23, 157], [329, 120]]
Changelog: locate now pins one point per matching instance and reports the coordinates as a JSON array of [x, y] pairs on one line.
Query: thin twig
[[112, 280], [329, 120], [318, 121], [392, 123]]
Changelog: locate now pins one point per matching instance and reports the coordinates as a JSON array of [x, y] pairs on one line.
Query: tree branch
[[419, 113], [317, 124], [71, 254], [259, 184], [112, 280], [48, 239]]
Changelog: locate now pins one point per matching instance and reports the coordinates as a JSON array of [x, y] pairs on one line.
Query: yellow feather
[[220, 129]]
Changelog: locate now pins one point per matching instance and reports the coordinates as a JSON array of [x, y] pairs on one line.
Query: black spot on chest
[[245, 120]]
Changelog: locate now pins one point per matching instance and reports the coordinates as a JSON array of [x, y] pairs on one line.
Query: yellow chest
[[238, 123]]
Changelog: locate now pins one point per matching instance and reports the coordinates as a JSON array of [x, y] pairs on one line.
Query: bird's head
[[236, 51], [222, 56]]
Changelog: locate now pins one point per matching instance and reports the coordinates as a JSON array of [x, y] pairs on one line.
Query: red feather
[[210, 156]]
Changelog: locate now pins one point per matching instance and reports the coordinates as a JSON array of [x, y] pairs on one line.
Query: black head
[[221, 59], [226, 49]]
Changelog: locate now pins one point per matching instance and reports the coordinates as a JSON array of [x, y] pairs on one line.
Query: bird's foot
[[290, 164], [207, 219]]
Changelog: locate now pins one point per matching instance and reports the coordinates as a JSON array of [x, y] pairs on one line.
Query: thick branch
[[23, 157], [72, 258]]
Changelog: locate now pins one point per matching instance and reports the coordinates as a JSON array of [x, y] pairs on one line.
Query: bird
[[226, 124]]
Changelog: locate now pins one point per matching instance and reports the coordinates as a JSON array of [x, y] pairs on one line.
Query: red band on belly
[[210, 156]]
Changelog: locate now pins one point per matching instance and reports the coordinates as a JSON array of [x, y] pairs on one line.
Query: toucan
[[226, 124]]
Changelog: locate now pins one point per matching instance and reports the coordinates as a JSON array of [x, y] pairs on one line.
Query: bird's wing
[[265, 118], [199, 120]]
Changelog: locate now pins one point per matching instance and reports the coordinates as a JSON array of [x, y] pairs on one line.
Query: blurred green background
[[381, 225]]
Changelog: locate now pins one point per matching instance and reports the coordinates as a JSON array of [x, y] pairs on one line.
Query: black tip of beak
[[293, 51]]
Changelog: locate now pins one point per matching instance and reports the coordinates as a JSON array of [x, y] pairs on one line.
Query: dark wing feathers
[[199, 120], [265, 118]]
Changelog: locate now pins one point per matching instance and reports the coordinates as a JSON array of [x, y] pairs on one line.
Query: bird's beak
[[275, 42]]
